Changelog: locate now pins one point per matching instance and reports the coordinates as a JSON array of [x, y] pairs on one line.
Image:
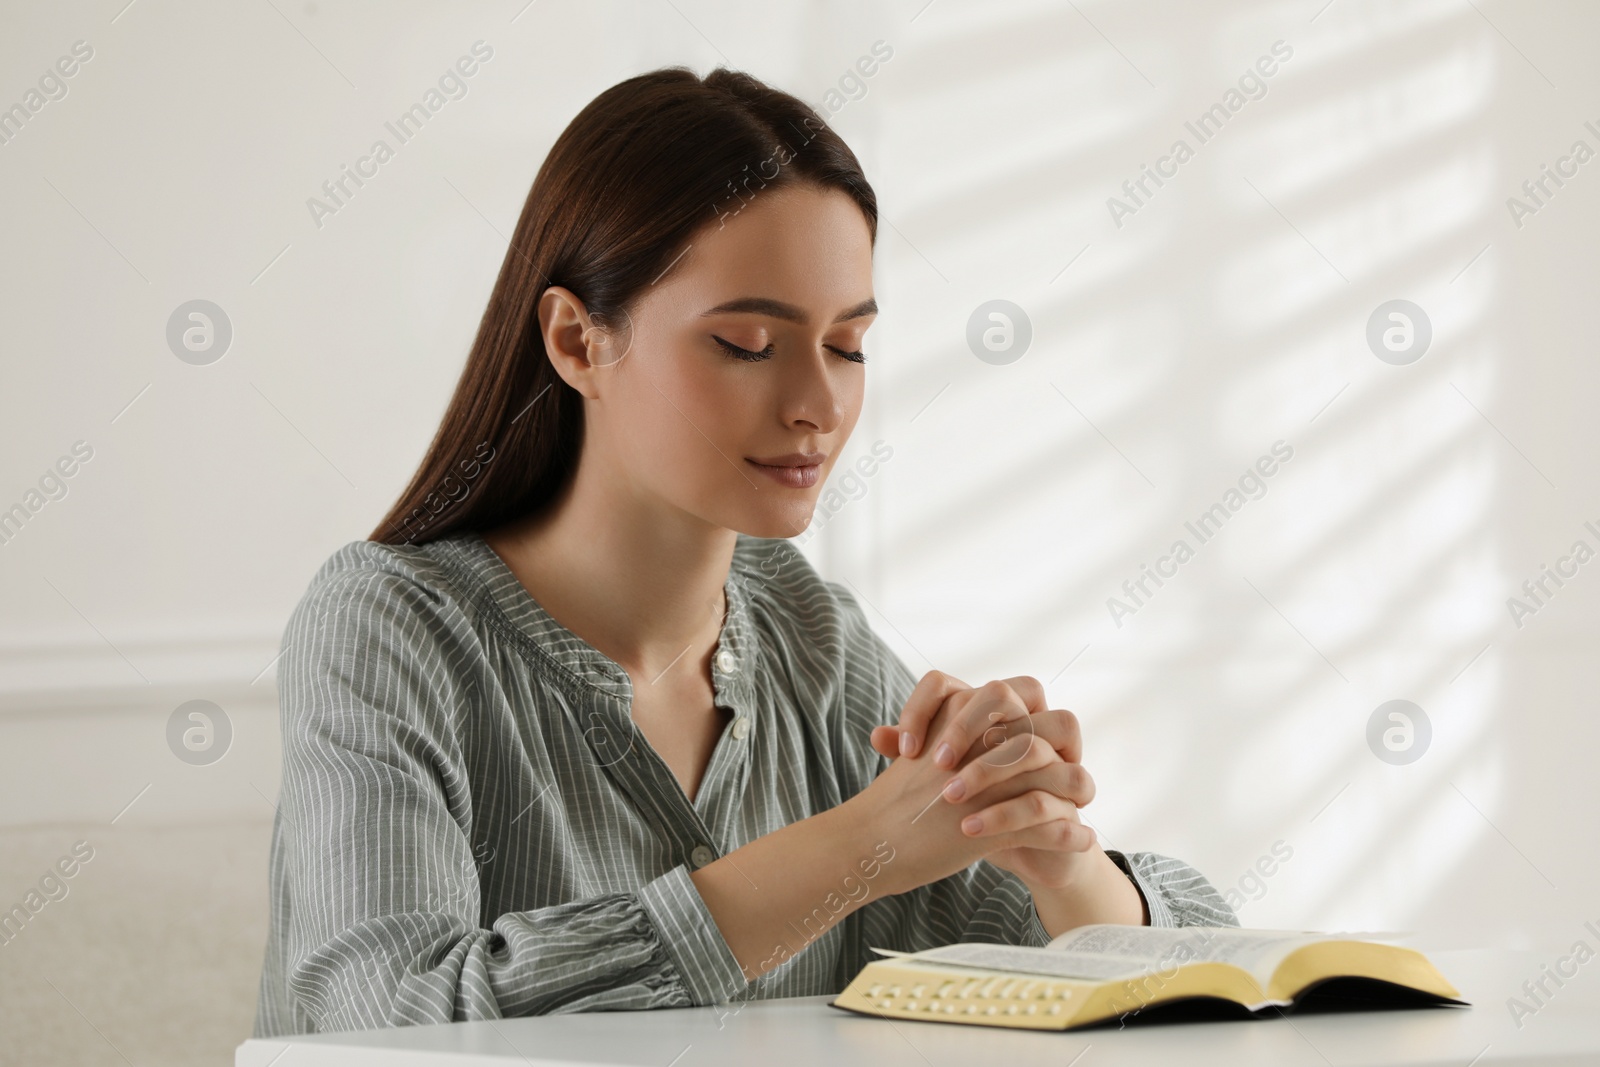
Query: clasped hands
[[1004, 783]]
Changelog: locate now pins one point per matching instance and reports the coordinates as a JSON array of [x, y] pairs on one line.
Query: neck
[[638, 579]]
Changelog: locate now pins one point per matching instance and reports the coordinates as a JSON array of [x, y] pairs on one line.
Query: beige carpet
[[151, 958]]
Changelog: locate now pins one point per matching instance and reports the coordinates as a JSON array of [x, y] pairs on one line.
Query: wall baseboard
[[91, 673]]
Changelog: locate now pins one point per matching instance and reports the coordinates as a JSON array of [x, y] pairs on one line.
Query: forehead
[[797, 243]]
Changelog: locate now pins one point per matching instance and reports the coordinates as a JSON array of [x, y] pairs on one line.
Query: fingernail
[[955, 790], [945, 757], [908, 743], [972, 824]]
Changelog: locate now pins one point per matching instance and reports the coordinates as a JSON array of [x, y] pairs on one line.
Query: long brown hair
[[646, 165]]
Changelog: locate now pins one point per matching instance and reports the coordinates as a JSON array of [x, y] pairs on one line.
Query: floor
[[152, 955]]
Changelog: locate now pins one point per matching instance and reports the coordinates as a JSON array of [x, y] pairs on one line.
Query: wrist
[[1097, 892], [866, 850]]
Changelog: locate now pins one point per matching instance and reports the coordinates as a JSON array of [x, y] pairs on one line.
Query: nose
[[815, 393]]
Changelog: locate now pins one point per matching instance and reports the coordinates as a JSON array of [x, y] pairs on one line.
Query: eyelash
[[755, 357]]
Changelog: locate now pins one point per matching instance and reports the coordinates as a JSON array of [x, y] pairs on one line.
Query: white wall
[[1226, 313]]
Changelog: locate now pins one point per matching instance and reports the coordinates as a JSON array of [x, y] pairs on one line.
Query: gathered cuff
[[710, 972], [1154, 902]]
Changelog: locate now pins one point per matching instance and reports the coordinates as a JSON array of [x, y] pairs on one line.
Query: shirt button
[[700, 856], [725, 662], [741, 728]]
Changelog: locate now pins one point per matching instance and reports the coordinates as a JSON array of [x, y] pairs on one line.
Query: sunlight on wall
[[1169, 353]]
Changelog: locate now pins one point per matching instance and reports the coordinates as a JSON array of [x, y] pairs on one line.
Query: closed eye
[[756, 356], [744, 353]]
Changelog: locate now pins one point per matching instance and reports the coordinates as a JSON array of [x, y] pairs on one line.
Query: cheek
[[684, 416], [852, 394]]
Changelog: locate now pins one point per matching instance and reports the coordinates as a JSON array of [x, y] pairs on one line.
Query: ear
[[578, 345]]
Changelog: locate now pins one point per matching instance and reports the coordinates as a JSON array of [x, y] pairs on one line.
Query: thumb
[[886, 741]]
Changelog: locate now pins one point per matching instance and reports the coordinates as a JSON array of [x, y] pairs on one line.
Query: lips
[[791, 459], [797, 470]]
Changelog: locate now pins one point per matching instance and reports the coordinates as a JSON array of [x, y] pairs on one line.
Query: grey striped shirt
[[470, 828]]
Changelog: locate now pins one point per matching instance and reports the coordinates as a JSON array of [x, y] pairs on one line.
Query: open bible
[[1112, 972]]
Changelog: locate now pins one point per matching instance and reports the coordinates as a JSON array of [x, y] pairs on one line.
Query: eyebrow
[[761, 305]]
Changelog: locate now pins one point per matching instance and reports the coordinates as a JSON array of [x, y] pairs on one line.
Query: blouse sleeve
[[981, 903], [379, 886], [1174, 893]]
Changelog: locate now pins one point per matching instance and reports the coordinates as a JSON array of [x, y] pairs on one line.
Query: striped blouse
[[470, 827]]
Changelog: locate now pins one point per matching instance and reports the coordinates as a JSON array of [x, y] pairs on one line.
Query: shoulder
[[420, 564], [789, 595], [378, 660], [368, 586], [384, 634], [816, 626]]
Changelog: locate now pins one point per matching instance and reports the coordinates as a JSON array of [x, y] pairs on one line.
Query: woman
[[576, 729]]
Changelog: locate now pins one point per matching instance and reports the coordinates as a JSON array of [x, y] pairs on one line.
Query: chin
[[777, 522]]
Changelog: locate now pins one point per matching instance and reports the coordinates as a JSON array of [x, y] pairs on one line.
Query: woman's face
[[683, 420]]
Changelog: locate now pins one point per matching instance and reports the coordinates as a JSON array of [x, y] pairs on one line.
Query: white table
[[776, 1033]]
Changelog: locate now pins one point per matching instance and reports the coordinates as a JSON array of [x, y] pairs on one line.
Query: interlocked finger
[[1034, 819], [1057, 726], [1071, 782], [1014, 760], [972, 716]]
